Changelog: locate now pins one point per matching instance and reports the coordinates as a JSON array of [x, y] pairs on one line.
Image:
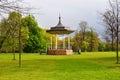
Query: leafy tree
[[102, 46], [76, 42], [7, 6], [35, 42], [93, 40], [10, 33], [90, 37], [9, 29], [85, 45], [47, 40]]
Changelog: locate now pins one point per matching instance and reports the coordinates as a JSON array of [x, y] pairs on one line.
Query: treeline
[[87, 39], [33, 38]]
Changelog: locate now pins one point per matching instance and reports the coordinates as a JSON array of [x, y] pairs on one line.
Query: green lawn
[[87, 66]]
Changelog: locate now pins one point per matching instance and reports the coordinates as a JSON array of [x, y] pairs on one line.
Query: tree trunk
[[112, 41], [117, 50], [20, 48]]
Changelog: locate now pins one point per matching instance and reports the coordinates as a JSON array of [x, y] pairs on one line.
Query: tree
[[7, 6], [35, 42], [101, 46], [14, 21], [47, 40], [109, 21], [90, 37], [12, 24], [83, 26], [91, 40], [9, 28], [85, 45], [114, 14]]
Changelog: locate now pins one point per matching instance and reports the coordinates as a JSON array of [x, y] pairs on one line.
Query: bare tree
[[83, 26], [109, 21], [112, 19], [7, 6]]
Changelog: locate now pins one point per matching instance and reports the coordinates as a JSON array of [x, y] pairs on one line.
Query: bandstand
[[60, 29]]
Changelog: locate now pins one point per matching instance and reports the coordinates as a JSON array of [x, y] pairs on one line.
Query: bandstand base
[[59, 52]]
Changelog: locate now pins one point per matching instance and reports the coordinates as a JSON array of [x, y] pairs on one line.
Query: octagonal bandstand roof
[[60, 29]]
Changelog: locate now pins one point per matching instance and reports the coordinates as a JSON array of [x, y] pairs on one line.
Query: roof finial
[[59, 19]]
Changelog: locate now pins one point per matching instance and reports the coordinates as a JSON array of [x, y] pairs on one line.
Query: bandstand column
[[64, 41], [51, 42], [68, 41], [56, 42]]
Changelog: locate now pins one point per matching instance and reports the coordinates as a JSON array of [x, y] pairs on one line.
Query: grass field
[[87, 66]]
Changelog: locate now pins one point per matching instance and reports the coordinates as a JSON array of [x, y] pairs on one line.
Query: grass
[[87, 66]]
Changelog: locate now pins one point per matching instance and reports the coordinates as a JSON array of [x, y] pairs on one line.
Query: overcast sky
[[72, 12]]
